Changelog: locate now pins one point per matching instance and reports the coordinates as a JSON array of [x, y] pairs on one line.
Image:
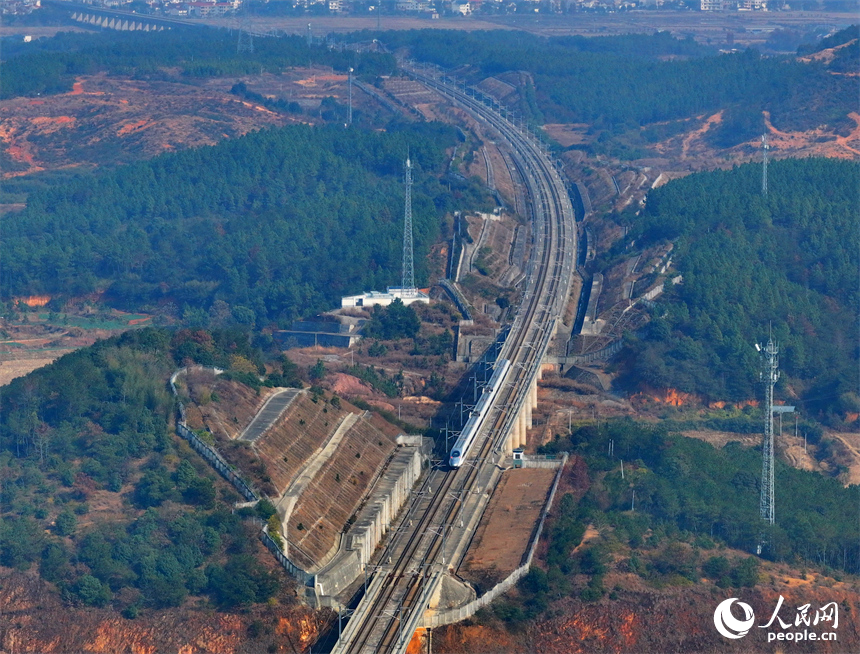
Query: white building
[[413, 5], [372, 298], [204, 9], [752, 5]]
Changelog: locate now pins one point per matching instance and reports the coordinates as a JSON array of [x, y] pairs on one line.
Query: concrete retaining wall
[[455, 615], [339, 574], [459, 299], [217, 461], [372, 522], [388, 495], [374, 519], [304, 577], [542, 461]]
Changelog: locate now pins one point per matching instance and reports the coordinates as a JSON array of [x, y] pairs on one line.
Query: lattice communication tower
[[764, 148], [769, 375], [407, 284], [349, 109]]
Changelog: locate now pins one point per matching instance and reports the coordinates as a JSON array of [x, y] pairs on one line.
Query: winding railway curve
[[437, 526]]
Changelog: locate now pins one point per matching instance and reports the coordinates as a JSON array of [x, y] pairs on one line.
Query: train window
[[455, 453]]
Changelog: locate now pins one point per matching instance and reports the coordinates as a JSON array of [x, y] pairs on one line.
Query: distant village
[[426, 8]]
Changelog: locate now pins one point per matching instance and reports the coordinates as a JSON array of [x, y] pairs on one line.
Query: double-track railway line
[[420, 551]]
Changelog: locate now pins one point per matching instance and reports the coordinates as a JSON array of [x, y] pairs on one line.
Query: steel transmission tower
[[407, 283], [349, 110], [764, 148], [769, 375], [246, 40]]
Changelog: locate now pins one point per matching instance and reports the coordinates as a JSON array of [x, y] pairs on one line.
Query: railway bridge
[[115, 19], [435, 532]]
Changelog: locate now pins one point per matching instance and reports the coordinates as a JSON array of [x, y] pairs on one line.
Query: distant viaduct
[[113, 19]]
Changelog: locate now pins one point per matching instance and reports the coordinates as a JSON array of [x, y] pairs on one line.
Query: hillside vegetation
[[689, 498], [787, 260], [103, 501], [625, 82], [275, 224], [846, 49], [50, 66]]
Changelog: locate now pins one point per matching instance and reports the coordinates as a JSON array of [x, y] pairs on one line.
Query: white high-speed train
[[476, 420]]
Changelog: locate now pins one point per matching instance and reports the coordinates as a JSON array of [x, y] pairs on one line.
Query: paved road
[[268, 415]]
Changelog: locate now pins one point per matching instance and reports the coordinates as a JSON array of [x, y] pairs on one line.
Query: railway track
[[418, 556]]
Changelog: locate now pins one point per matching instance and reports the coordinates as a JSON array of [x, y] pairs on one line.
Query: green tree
[[274, 529], [394, 321], [240, 582], [153, 488], [54, 566], [91, 591], [66, 523], [317, 371]]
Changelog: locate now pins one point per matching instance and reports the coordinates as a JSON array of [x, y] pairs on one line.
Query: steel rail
[[547, 287]]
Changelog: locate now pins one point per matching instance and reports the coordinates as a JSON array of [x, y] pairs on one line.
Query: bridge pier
[[119, 23], [521, 434], [524, 421]]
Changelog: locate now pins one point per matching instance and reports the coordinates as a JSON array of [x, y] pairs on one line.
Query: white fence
[[455, 615], [217, 461]]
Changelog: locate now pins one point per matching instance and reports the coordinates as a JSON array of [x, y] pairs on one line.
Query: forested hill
[[624, 82], [49, 66], [846, 49], [276, 224], [76, 434], [789, 260]]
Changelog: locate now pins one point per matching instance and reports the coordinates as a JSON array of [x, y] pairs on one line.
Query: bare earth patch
[[719, 439], [109, 120], [849, 457], [504, 532], [567, 135], [10, 370]]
